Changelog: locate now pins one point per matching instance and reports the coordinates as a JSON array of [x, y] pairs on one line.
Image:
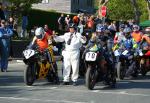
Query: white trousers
[[71, 60]]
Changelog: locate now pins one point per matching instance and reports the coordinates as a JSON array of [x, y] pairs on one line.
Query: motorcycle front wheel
[[29, 75], [91, 77], [120, 71]]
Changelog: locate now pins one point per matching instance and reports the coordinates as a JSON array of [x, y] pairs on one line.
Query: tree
[[120, 10], [136, 11], [148, 7], [19, 6]]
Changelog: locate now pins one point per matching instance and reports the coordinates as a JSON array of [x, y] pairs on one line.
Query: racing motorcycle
[[39, 65], [125, 63], [144, 63], [94, 72]]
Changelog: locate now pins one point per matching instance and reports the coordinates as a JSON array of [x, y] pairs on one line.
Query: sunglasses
[[2, 22]]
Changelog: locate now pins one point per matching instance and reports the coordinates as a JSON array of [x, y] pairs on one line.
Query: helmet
[[127, 30], [100, 28], [122, 26], [136, 28], [147, 30], [40, 33]]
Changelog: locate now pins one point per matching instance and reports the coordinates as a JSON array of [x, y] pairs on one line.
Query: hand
[[54, 33], [83, 37]]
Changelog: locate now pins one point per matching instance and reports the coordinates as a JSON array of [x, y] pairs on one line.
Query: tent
[[145, 23]]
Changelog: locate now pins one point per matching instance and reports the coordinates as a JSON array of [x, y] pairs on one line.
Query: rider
[[136, 34], [100, 38], [131, 46], [145, 42], [119, 35], [44, 41]]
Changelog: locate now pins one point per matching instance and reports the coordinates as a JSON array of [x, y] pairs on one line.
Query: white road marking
[[75, 90], [19, 61], [34, 99]]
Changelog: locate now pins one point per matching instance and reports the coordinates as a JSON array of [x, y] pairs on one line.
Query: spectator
[[90, 24], [80, 27], [2, 16], [5, 34], [61, 22], [24, 24], [32, 32], [76, 20], [12, 26], [112, 27], [67, 21], [47, 30]]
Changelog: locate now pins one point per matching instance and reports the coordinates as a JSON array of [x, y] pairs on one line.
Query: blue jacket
[[128, 44], [5, 33]]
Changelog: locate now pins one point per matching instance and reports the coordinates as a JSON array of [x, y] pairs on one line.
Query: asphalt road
[[14, 90]]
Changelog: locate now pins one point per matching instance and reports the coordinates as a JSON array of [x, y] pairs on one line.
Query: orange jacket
[[43, 44], [137, 36]]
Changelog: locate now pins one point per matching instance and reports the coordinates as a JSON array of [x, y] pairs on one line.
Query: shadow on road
[[10, 80], [137, 83]]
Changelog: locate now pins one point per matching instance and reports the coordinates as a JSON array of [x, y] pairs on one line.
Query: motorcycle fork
[[51, 61]]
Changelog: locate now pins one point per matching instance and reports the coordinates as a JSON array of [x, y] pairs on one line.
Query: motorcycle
[[94, 71], [125, 63], [39, 65], [144, 64]]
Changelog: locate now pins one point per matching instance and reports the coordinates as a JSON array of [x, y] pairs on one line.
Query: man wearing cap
[[5, 34], [73, 41]]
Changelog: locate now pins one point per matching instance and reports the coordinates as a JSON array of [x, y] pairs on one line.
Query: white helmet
[[40, 33], [136, 28], [147, 30]]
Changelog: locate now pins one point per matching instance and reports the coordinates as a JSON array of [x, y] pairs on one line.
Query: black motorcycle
[[94, 72], [126, 63], [39, 65]]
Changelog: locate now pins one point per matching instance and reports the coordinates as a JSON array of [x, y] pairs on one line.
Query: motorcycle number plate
[[90, 56], [116, 53], [28, 53], [125, 52]]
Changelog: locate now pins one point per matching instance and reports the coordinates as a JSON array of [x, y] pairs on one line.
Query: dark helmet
[[122, 26], [100, 28], [127, 30], [72, 25]]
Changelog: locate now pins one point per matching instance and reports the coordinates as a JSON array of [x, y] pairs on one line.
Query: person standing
[[2, 15], [61, 22], [5, 34], [73, 41], [47, 30], [24, 25]]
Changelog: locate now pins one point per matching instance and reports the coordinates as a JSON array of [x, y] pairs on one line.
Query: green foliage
[[120, 10], [123, 9], [19, 6], [143, 10]]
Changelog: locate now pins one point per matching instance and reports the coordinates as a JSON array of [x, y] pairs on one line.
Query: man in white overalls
[[73, 41]]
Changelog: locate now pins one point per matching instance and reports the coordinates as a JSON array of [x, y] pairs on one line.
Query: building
[[82, 5], [66, 6]]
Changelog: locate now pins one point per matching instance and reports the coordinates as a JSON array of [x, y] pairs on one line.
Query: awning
[[145, 23]]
